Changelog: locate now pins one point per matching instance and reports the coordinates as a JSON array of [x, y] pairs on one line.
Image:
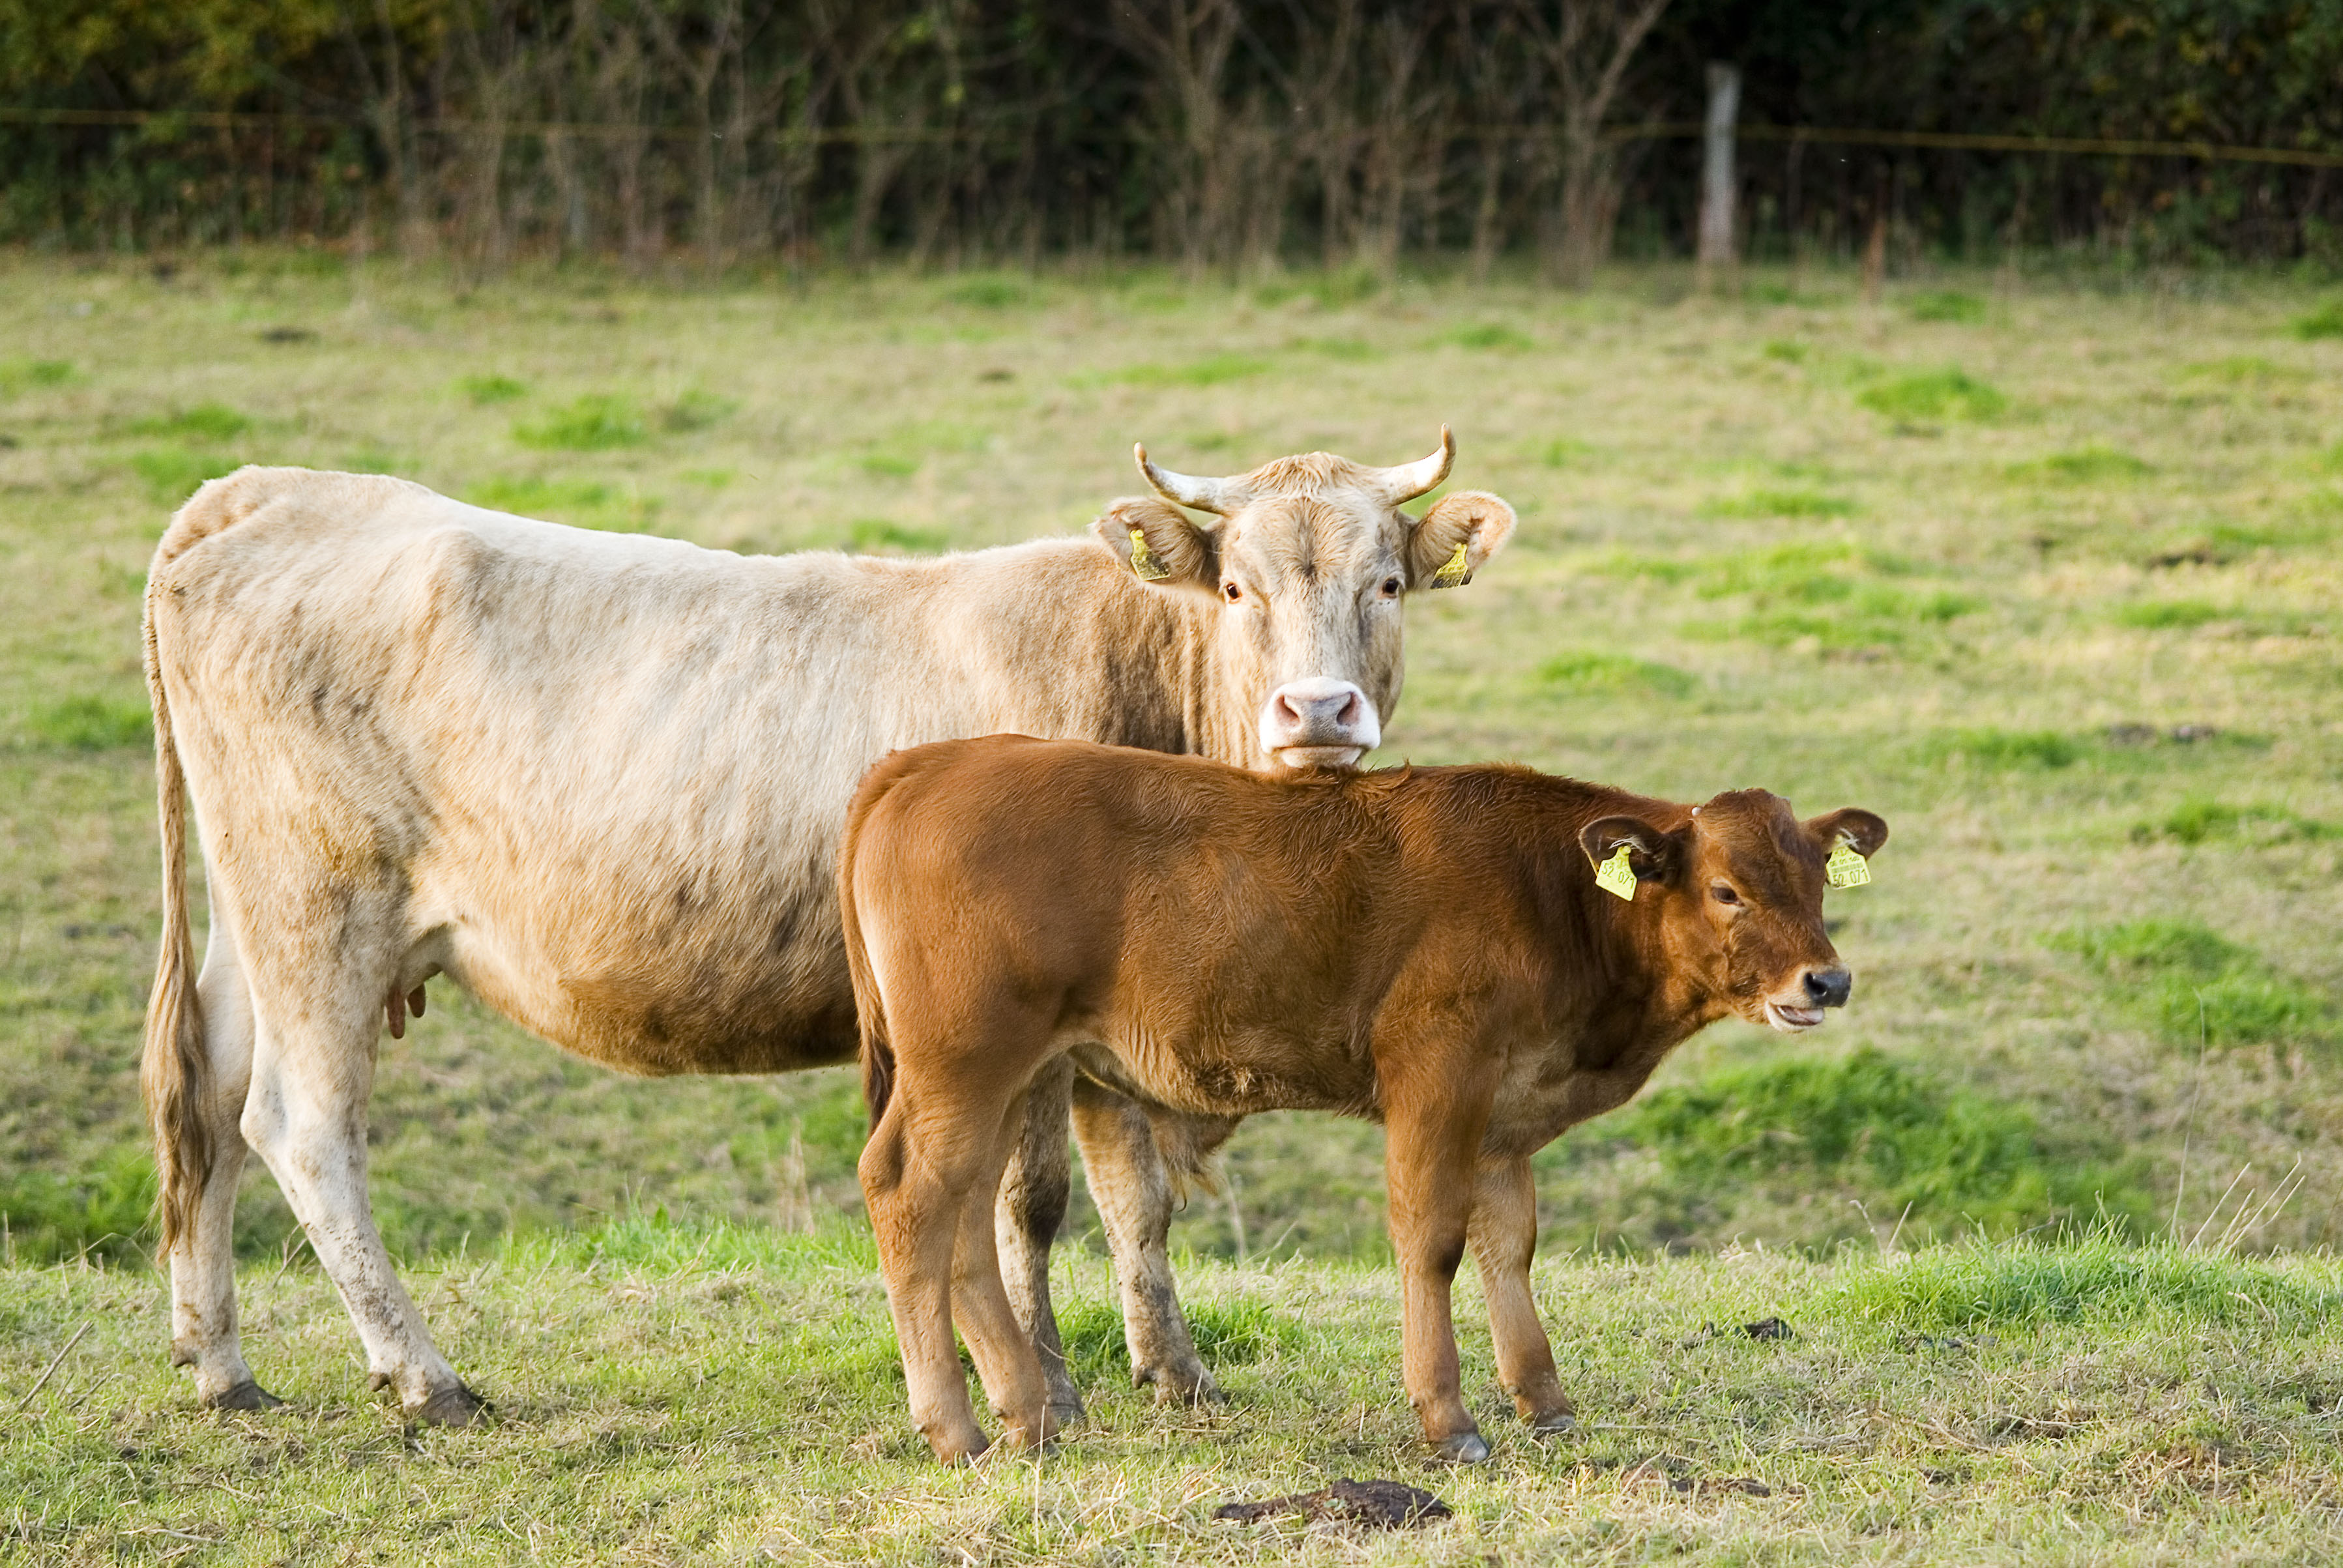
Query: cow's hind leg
[[1130, 1183], [203, 1262], [312, 1072], [1034, 1191]]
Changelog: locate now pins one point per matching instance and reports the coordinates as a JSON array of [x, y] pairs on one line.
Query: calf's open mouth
[[1793, 1019]]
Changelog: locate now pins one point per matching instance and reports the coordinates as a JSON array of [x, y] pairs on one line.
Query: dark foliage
[[1217, 133]]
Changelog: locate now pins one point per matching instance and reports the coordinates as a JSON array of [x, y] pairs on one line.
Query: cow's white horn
[[1183, 489], [1409, 480]]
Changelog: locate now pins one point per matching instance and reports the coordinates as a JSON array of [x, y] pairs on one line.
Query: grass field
[[672, 1396], [2044, 573]]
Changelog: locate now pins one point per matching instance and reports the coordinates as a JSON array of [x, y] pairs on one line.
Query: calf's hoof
[[246, 1395], [1063, 1415], [1464, 1448], [457, 1406], [1180, 1385]]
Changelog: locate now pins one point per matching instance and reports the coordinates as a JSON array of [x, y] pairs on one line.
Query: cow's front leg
[[1504, 1234], [1131, 1184], [1034, 1191], [1429, 1159]]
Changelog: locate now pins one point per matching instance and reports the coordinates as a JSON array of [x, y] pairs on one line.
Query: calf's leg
[[1034, 1191], [1130, 1183], [1504, 1234], [203, 1262], [1002, 1346], [1429, 1161], [914, 1215]]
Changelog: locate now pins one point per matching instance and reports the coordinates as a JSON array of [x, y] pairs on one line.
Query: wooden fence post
[[1716, 252]]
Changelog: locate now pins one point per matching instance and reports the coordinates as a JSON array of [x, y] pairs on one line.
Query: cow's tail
[[870, 1006], [174, 1074]]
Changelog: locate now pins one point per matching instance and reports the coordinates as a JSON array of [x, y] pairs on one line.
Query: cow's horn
[[1185, 489], [1409, 480]]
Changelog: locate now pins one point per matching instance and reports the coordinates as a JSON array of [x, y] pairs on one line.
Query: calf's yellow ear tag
[[1145, 564], [1615, 875], [1845, 868], [1452, 574]]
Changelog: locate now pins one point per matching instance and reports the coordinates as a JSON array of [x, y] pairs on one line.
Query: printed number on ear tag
[[1615, 875], [1845, 868], [1453, 573], [1145, 564]]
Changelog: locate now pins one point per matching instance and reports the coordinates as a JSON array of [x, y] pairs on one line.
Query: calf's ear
[[1858, 831], [1653, 855], [1156, 543], [1475, 520]]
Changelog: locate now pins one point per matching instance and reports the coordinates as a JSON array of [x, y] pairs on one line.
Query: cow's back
[[603, 775]]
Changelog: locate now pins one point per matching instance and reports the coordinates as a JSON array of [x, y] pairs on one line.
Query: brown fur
[[1427, 948]]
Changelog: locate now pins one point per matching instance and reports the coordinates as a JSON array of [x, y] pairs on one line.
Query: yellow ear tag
[[1454, 575], [1615, 875], [1845, 868], [1145, 564]]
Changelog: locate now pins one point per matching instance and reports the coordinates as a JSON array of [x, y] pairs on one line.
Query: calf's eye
[[1724, 895], [1231, 592]]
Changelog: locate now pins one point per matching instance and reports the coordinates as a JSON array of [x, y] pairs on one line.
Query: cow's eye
[[1231, 592], [1724, 895], [1391, 588]]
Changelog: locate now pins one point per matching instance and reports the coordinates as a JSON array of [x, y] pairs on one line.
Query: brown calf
[[1427, 946]]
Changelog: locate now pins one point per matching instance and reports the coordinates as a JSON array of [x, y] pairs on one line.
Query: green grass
[[581, 503], [2094, 464], [596, 422], [1590, 670], [486, 391], [2201, 987], [2327, 321], [716, 1393], [1784, 503], [1490, 335], [1945, 304], [1980, 650], [1951, 393]]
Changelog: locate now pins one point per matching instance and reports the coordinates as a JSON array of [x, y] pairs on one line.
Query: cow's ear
[[1653, 854], [1455, 537], [1858, 831], [1157, 544]]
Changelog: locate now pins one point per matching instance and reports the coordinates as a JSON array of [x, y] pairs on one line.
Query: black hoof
[[1464, 1448], [244, 1396], [1556, 1424], [1068, 1416], [458, 1406]]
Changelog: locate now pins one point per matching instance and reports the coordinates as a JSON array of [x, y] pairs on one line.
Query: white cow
[[598, 782]]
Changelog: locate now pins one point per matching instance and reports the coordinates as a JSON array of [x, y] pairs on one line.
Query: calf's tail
[[870, 1005]]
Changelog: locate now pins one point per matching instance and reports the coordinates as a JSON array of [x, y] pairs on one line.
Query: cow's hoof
[[1063, 1415], [1554, 1423], [457, 1406], [246, 1395], [1464, 1448]]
